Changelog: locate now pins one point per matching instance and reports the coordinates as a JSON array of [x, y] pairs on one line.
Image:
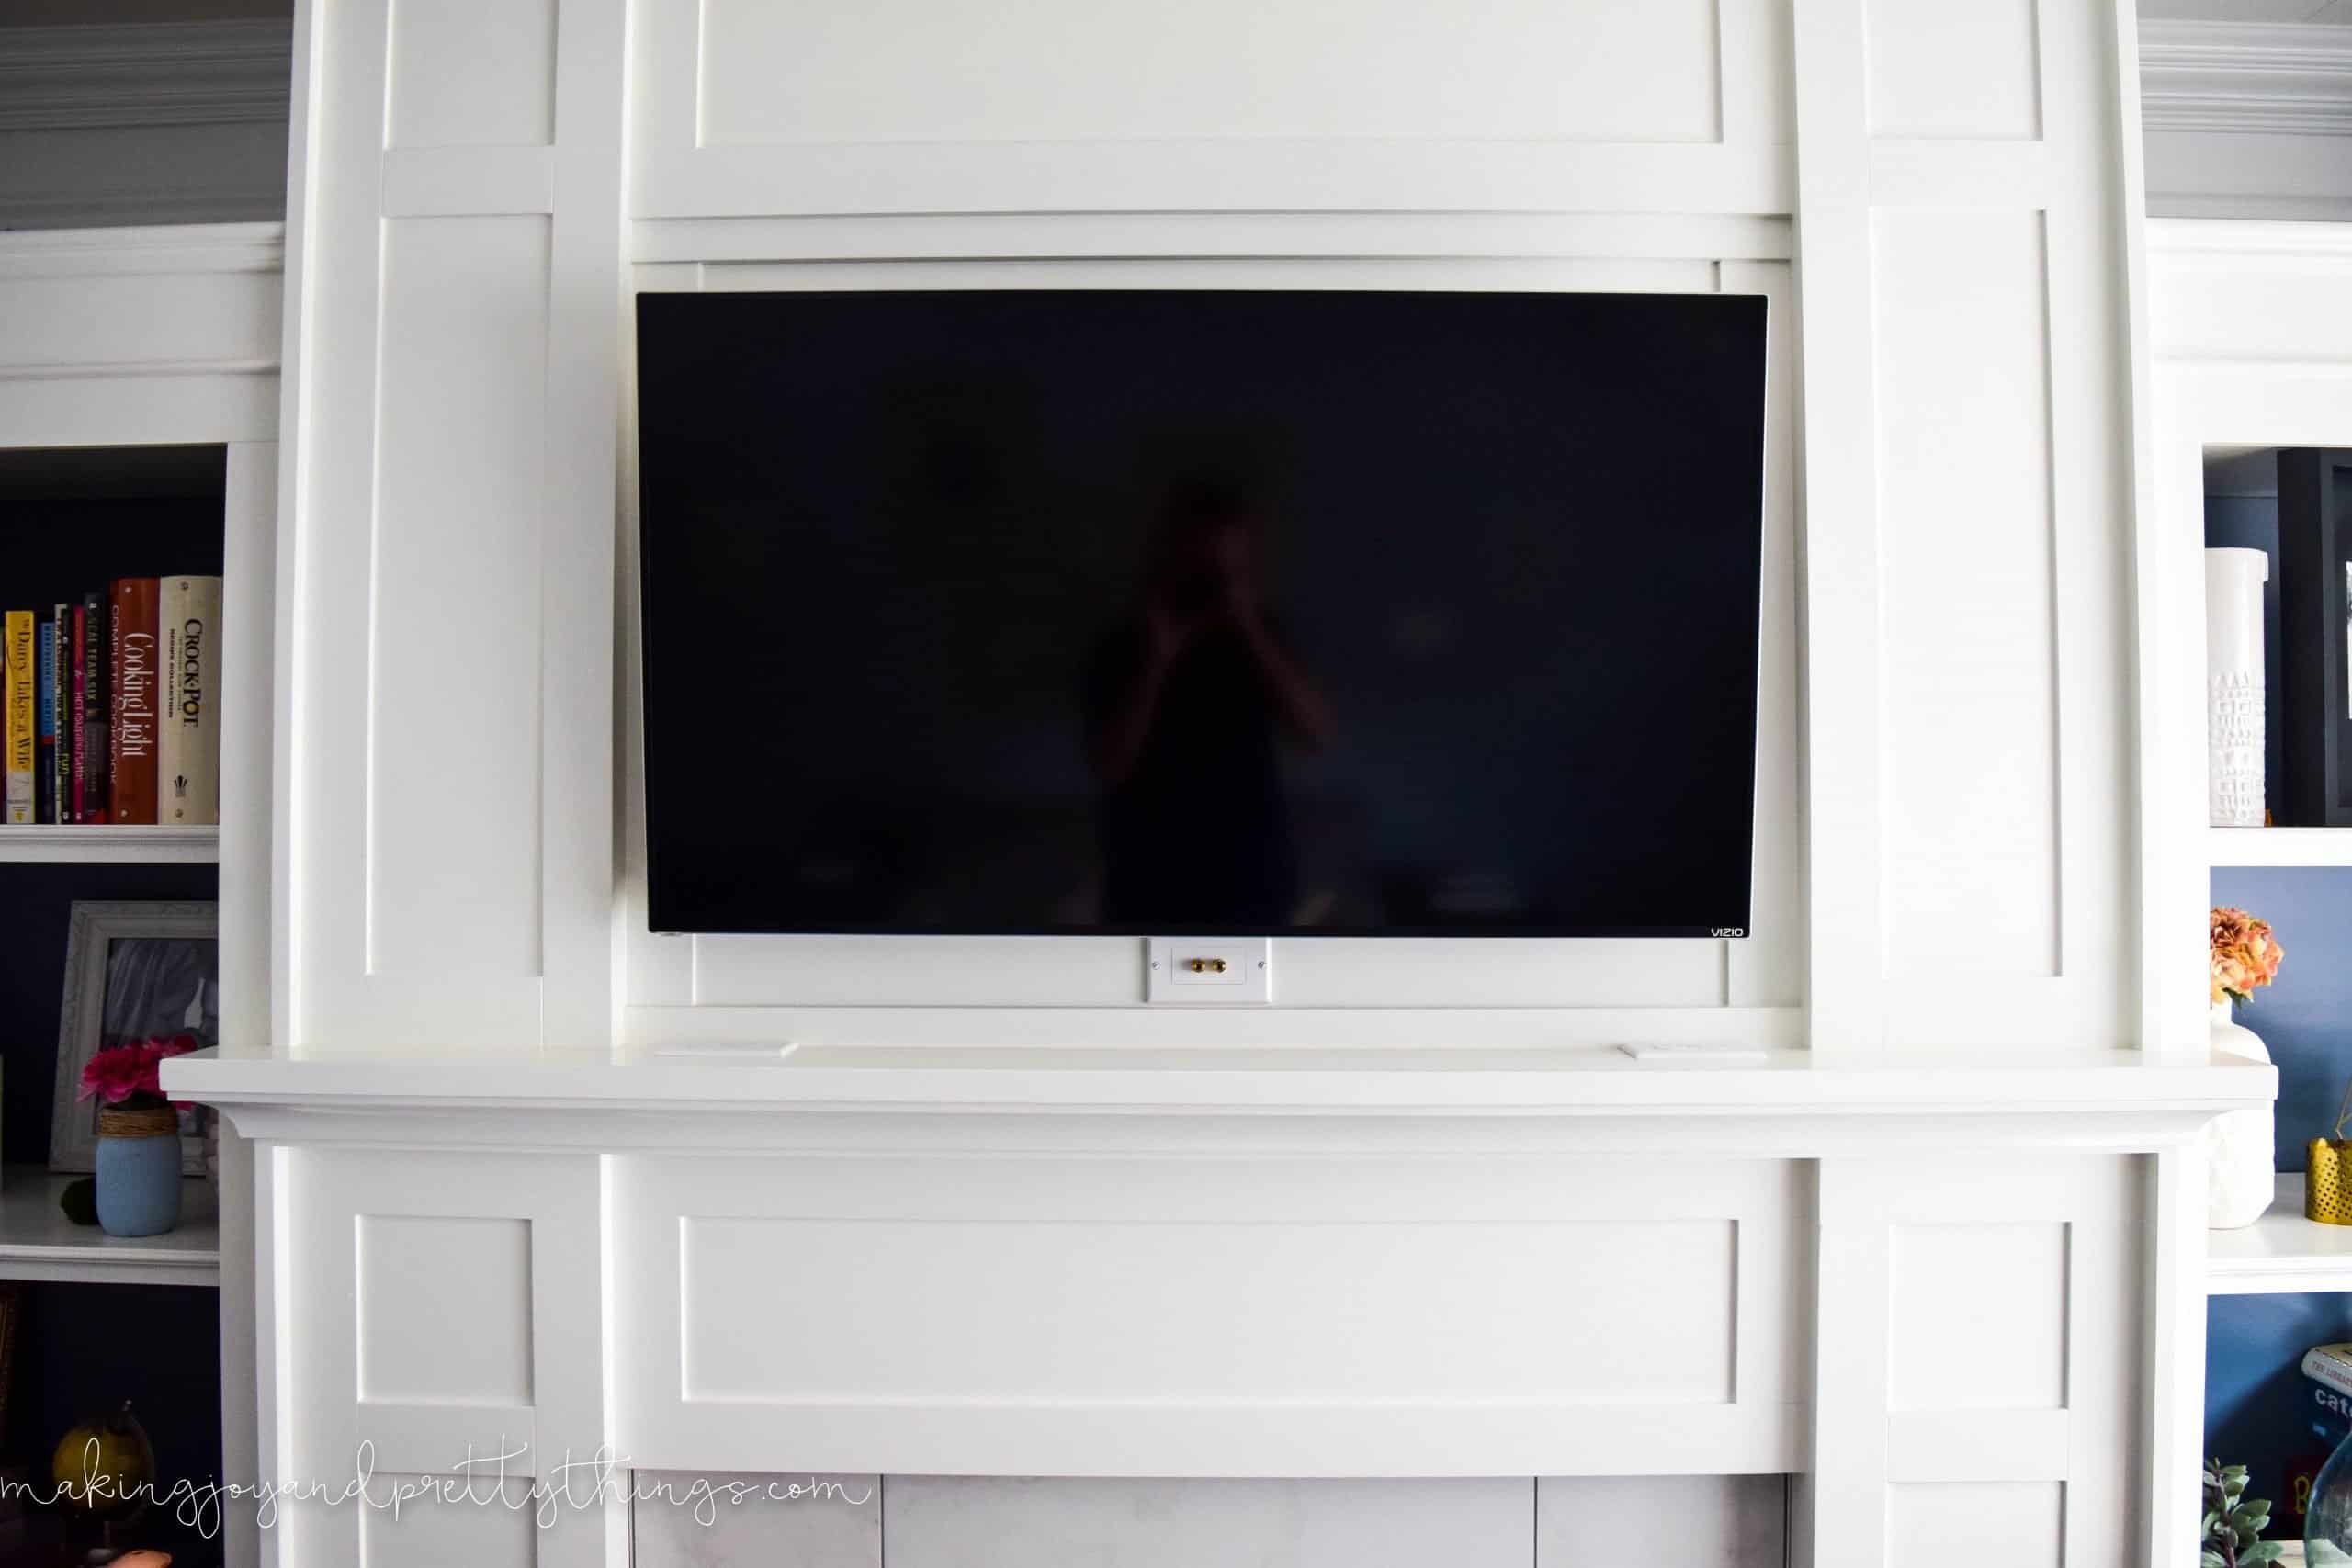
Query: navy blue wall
[[2257, 1403], [2306, 1018]]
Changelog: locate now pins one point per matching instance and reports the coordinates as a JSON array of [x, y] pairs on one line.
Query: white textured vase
[[2233, 685], [2239, 1160]]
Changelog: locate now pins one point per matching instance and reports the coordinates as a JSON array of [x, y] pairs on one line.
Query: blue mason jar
[[139, 1171]]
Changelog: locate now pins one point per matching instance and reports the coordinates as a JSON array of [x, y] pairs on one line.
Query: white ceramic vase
[[2233, 686], [2239, 1160]]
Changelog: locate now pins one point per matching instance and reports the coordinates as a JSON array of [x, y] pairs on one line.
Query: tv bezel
[[1122, 931]]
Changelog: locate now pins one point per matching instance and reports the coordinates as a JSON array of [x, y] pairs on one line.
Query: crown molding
[[177, 248], [2280, 77], [223, 73]]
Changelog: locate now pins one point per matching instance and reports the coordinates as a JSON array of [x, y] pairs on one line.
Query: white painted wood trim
[[2279, 846], [2248, 242], [2282, 1253], [240, 1344], [580, 765], [249, 896], [299, 243], [1052, 992], [241, 842], [1444, 1081], [273, 1324], [2149, 847], [1845, 802], [120, 845], [174, 248], [38, 1242], [2175, 1354], [108, 387], [1254, 235]]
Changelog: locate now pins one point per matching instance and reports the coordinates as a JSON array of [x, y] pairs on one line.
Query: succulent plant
[[2233, 1522]]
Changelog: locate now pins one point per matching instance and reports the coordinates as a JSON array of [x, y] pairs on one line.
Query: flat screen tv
[[1201, 612]]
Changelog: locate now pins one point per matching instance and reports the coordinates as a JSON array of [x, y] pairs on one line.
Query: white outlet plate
[[1182, 971]]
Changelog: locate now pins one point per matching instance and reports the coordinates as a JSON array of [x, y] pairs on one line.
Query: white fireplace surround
[[509, 1166], [1946, 1280]]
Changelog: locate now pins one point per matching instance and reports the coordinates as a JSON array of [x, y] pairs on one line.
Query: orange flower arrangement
[[2245, 955]]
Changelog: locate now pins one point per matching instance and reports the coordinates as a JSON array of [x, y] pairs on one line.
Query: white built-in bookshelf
[[2279, 846], [2282, 1253], [38, 1242], [123, 845]]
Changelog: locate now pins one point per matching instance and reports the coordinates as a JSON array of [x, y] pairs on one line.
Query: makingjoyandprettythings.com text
[[490, 1481]]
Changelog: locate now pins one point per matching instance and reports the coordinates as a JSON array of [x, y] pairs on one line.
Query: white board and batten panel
[[1336, 991], [1961, 212], [1969, 656], [748, 109], [453, 598], [1021, 1307], [446, 1326], [1937, 1398], [1964, 786], [1954, 72], [465, 75]]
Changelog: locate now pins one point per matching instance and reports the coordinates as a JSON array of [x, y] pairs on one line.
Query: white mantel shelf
[[1566, 1082]]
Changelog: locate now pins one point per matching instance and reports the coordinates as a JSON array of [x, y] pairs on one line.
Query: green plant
[[2233, 1521]]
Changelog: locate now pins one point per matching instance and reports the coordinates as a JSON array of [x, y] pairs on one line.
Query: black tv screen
[[1201, 613]]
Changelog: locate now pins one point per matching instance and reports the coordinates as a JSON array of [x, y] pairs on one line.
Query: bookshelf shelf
[[2279, 846], [2281, 1253], [124, 845], [38, 1242]]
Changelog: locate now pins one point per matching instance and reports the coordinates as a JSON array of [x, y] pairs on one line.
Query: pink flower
[[118, 1072], [115, 1074]]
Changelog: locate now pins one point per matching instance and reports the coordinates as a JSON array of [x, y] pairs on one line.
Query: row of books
[[109, 706]]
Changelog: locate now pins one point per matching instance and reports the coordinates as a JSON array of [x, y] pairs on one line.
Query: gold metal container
[[2327, 1181]]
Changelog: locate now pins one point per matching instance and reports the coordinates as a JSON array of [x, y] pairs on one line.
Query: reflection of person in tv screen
[[1185, 701]]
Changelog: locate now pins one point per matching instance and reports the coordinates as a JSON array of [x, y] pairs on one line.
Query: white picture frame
[[90, 1018]]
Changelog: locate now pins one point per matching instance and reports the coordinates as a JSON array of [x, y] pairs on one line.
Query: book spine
[[2327, 1370], [61, 620], [96, 713], [45, 720], [2330, 1414], [132, 729], [76, 681], [189, 752], [16, 690]]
